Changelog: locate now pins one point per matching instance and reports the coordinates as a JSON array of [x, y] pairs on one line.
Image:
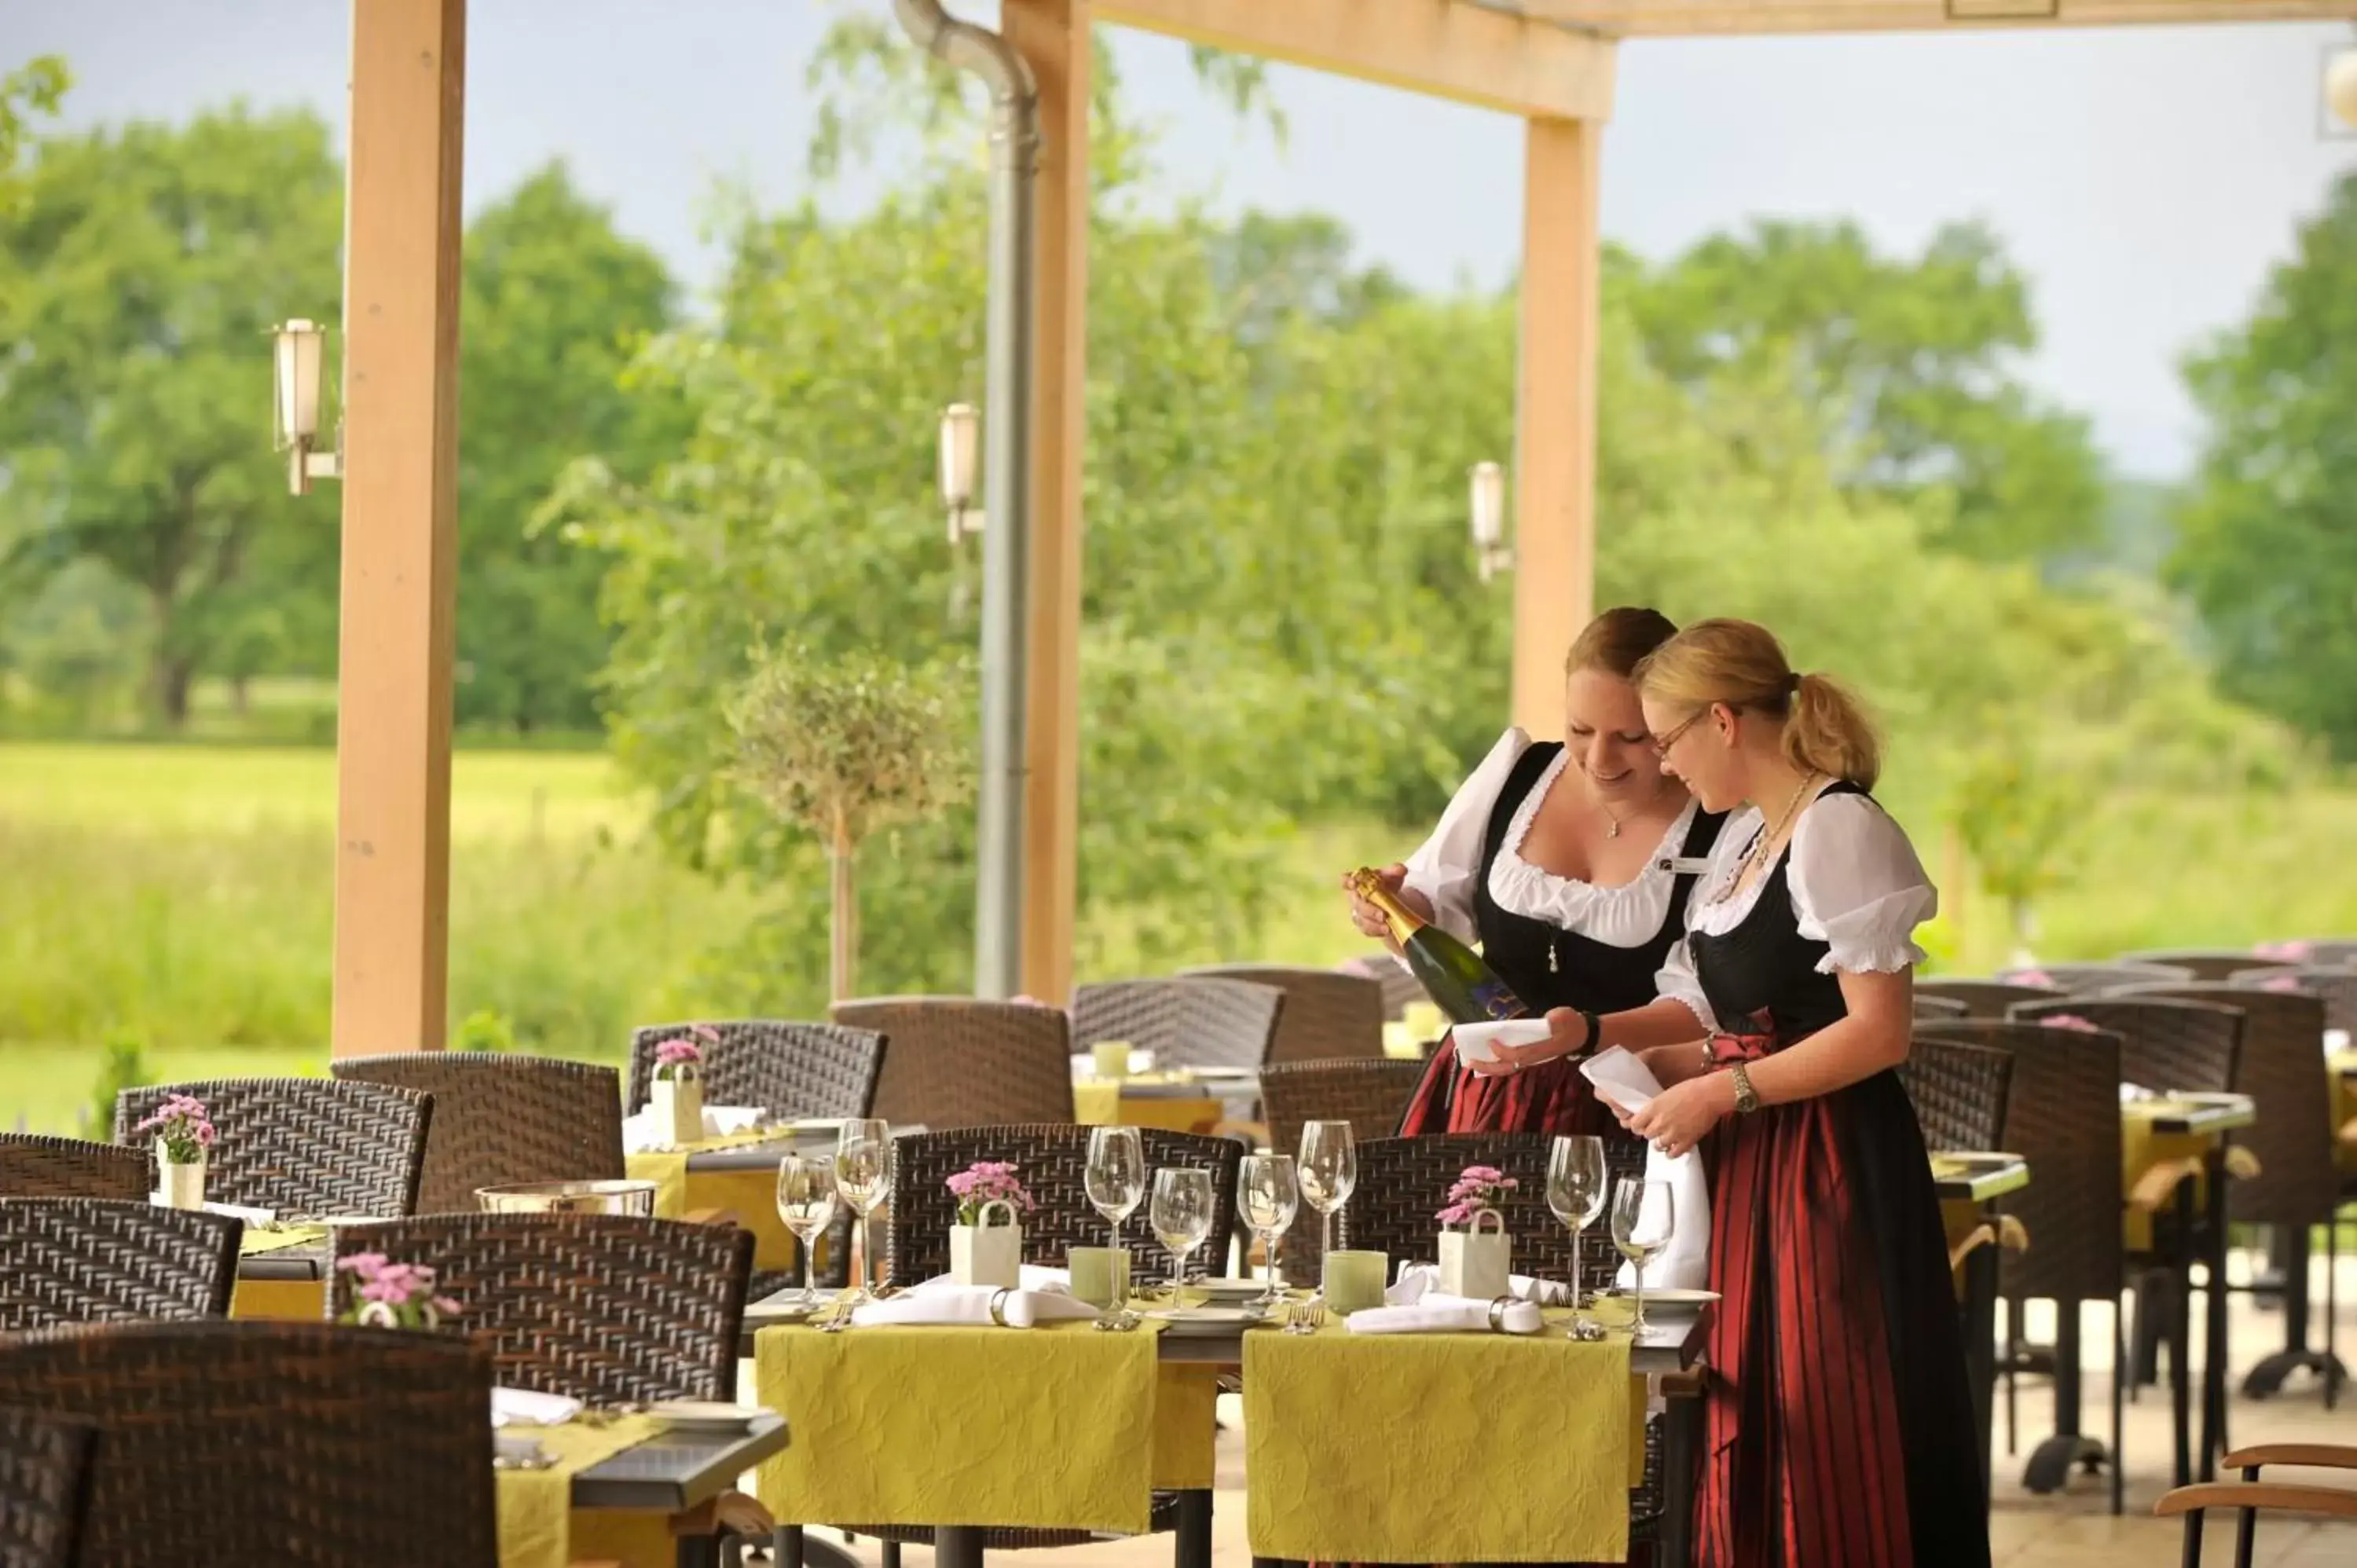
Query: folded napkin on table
[[971, 1305], [640, 1132], [1033, 1277], [1622, 1080], [525, 1405], [227, 1211], [1417, 1280], [1433, 1313]]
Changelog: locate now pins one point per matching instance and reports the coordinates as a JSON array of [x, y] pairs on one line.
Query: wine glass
[[1575, 1189], [1116, 1176], [1267, 1197], [1327, 1170], [863, 1174], [1644, 1215], [1181, 1215], [806, 1204]]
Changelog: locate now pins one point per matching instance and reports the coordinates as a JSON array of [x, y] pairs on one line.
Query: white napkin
[[524, 1404], [2335, 1041], [1417, 1280], [1435, 1314], [640, 1132], [970, 1304], [227, 1211], [1477, 1042], [1033, 1277], [1623, 1080]]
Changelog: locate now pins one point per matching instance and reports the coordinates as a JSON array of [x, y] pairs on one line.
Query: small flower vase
[[987, 1254], [678, 1104], [179, 1183], [1475, 1262]]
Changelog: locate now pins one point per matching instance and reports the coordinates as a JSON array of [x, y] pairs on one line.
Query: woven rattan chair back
[[100, 1259], [1958, 1089], [1399, 982], [33, 1166], [2335, 986], [1982, 998], [1369, 1095], [45, 1466], [789, 1068], [2325, 952], [1928, 1006], [2063, 1116], [310, 1144], [1404, 1182], [960, 1061], [1329, 1013], [2203, 964], [501, 1118], [608, 1308], [2094, 978], [1052, 1161], [300, 1445], [1185, 1023], [2165, 1045], [2279, 1066]]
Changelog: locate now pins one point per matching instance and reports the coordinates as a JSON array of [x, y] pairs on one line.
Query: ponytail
[[1741, 664], [1827, 731]]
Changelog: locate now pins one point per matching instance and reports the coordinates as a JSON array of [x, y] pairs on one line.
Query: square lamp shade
[[300, 350]]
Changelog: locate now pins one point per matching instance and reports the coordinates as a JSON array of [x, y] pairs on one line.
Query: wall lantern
[[301, 353], [961, 449], [2341, 90], [1489, 519]]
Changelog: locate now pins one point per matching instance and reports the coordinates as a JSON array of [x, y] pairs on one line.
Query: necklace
[[1758, 853]]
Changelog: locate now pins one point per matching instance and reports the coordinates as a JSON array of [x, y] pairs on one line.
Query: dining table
[[1968, 1184]]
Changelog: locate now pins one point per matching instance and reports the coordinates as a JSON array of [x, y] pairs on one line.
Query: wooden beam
[[1470, 53], [1054, 38], [1687, 18], [400, 525], [1555, 412]]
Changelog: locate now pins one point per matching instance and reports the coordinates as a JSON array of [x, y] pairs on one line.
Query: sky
[[2146, 179]]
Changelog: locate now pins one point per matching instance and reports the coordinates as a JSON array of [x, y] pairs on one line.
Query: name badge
[[1681, 866]]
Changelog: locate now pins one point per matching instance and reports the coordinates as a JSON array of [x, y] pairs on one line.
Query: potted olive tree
[[843, 746]]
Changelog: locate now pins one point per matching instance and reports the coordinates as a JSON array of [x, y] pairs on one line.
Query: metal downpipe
[[1006, 479]]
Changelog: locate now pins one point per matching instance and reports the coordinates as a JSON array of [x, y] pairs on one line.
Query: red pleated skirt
[[1550, 1098]]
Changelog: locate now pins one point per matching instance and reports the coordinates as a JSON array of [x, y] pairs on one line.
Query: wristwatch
[[1747, 1100]]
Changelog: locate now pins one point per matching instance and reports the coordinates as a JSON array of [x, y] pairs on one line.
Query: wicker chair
[[300, 1445], [1191, 1023], [791, 1070], [2164, 1044], [45, 1466], [1982, 998], [2090, 979], [1328, 1012], [501, 1118], [309, 1145], [606, 1308], [32, 1166], [1369, 1095], [2063, 1116], [1959, 1089], [960, 1061], [1400, 984], [2203, 963], [96, 1259], [1402, 1181], [2335, 986]]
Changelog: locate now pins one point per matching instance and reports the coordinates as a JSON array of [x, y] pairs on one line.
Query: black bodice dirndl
[[1547, 967], [1839, 1432]]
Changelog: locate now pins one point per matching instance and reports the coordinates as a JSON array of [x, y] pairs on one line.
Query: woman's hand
[[1682, 1115], [1370, 920], [1568, 1034]]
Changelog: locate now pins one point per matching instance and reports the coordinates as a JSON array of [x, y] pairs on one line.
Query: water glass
[[1328, 1171], [806, 1200], [1115, 1176], [1182, 1213], [1267, 1197], [1576, 1185], [1644, 1217], [863, 1175]]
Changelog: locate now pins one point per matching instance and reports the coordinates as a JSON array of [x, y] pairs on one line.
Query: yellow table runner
[[538, 1528], [1441, 1447], [1099, 1102], [2141, 1148], [1052, 1427], [254, 1240], [2340, 1065], [751, 1195], [298, 1301]]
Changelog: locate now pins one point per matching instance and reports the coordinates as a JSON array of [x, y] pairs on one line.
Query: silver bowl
[[569, 1198]]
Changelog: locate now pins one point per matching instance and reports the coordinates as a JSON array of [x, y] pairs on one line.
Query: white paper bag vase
[[988, 1254], [1475, 1261], [180, 1182], [678, 1106]]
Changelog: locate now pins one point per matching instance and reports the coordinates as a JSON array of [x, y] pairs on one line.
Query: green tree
[[144, 266], [2268, 534], [32, 90], [556, 303], [1911, 362]]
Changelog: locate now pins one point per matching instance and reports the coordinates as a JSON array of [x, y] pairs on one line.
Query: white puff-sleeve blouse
[[1855, 882], [1445, 866]]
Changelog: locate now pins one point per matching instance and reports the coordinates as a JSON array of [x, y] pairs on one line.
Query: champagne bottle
[[1467, 990]]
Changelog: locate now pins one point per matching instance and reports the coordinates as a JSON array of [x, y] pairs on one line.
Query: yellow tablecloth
[[1441, 1447], [751, 1195], [299, 1300], [2141, 1148], [1053, 1427], [1099, 1102], [254, 1240], [2344, 1106], [538, 1527]]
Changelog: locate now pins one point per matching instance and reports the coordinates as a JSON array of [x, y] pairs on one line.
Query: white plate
[[701, 1415], [1205, 1319], [1229, 1287], [1654, 1298]]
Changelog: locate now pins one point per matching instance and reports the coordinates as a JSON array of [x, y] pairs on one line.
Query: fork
[[1307, 1318]]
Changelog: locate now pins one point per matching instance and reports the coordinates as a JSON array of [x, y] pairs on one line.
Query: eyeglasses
[[1661, 744]]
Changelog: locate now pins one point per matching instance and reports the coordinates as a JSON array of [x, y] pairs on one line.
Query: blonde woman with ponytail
[[1839, 1432]]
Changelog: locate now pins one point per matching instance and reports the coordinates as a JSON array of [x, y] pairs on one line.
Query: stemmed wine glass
[[1644, 1215], [1267, 1197], [1575, 1190], [1116, 1176], [863, 1174], [806, 1204], [1181, 1214], [1328, 1171]]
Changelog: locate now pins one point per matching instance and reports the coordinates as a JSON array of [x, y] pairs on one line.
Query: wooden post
[[1053, 35], [400, 525], [1554, 419]]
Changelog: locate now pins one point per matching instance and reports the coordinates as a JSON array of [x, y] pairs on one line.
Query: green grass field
[[182, 894]]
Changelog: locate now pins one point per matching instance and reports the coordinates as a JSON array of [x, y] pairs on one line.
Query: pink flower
[[1457, 1214], [705, 1033], [205, 1135], [446, 1306], [2281, 983], [2070, 1021], [364, 1264], [2032, 977], [2290, 953]]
